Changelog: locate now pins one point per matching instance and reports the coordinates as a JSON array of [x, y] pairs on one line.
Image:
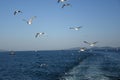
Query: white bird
[[82, 49], [43, 65], [17, 11], [75, 28], [61, 1], [67, 4], [90, 44], [30, 20], [39, 34]]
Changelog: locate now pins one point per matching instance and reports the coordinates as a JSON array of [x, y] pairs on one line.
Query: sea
[[60, 65]]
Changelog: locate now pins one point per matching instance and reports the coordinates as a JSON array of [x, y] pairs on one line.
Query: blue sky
[[100, 21]]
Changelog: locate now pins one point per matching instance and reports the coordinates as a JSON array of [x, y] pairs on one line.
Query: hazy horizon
[[100, 21]]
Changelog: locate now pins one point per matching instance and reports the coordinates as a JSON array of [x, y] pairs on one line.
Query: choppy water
[[60, 65]]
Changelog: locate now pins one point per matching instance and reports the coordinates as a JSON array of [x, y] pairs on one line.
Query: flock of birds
[[91, 44], [76, 28], [38, 34], [30, 21]]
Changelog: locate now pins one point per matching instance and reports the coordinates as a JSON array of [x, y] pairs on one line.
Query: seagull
[[91, 44], [43, 65], [17, 11], [61, 1], [30, 20], [67, 4], [39, 34], [82, 49], [75, 28]]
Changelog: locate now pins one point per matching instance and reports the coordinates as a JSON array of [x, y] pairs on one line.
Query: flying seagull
[[30, 20], [90, 44], [39, 34], [67, 4], [75, 28], [17, 11], [61, 1], [82, 49]]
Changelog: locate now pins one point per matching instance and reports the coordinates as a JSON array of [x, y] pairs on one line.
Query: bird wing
[[58, 1], [86, 42], [15, 13], [63, 5], [31, 19], [67, 4], [95, 42], [79, 27], [36, 35]]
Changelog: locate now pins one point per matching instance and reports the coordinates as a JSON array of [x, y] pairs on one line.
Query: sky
[[100, 21]]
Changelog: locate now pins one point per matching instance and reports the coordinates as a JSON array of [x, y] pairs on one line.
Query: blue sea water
[[60, 65]]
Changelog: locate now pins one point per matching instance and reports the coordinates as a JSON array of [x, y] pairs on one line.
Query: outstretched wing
[[58, 1], [95, 42], [68, 4], [15, 13], [63, 5], [86, 42], [36, 35], [79, 27], [31, 19]]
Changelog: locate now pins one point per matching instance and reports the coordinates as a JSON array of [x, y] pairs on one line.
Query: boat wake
[[98, 66]]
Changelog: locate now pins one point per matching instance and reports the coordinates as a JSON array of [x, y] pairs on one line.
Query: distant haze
[[100, 21]]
